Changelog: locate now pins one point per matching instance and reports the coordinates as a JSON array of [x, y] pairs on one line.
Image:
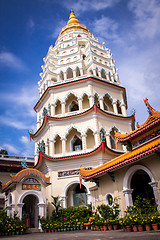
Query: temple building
[[83, 127]]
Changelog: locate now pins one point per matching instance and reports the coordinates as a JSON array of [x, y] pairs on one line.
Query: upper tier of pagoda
[[73, 25]]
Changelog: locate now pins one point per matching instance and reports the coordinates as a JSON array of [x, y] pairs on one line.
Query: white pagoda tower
[[81, 104]]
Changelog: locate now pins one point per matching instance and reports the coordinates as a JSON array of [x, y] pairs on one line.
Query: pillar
[[84, 142], [74, 73], [154, 185], [51, 148], [65, 75], [101, 103], [63, 146], [80, 104], [63, 108], [91, 100], [81, 72], [115, 107], [20, 206], [128, 196], [52, 110], [123, 109], [108, 140]]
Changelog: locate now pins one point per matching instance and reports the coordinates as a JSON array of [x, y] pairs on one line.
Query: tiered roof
[[152, 146]]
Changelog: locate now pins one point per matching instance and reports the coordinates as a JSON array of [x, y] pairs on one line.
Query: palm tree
[[56, 203]]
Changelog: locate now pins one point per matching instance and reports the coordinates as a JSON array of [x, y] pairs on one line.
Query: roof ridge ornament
[[149, 108]]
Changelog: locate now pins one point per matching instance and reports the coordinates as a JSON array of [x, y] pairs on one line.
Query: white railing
[[16, 158]]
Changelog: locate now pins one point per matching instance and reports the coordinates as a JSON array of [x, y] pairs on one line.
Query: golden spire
[[72, 18]]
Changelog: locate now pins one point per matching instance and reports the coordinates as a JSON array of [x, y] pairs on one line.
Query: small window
[[76, 143], [109, 199]]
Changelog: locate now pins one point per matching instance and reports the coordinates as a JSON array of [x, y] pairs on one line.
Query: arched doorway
[[133, 178], [30, 210], [141, 187], [73, 195]]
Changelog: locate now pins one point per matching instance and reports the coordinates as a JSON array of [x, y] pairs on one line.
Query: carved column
[[52, 110], [74, 73], [51, 148], [123, 109], [20, 206], [115, 107], [128, 197], [65, 75], [63, 108], [101, 103], [154, 185], [80, 104], [91, 100], [81, 72], [108, 140], [63, 146], [84, 142]]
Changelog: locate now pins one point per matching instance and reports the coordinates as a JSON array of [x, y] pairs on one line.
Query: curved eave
[[76, 81], [46, 118], [122, 160], [62, 158], [25, 173], [136, 132]]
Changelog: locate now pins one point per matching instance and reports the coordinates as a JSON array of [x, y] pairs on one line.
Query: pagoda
[[81, 104]]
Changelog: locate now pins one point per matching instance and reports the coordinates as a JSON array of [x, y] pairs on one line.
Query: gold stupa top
[[73, 25], [72, 18]]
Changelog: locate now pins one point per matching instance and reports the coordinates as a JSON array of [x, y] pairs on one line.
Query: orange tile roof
[[23, 173], [125, 158], [153, 118]]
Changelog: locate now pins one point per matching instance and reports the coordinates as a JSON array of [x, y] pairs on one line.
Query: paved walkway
[[89, 235]]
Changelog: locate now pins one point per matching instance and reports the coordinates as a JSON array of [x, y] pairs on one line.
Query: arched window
[[61, 75], [107, 102], [69, 73], [90, 142], [78, 72], [109, 199], [91, 72], [71, 103], [103, 74], [113, 141], [57, 145], [76, 143], [73, 106], [58, 109]]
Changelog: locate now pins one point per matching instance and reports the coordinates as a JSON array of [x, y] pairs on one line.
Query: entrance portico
[[27, 190]]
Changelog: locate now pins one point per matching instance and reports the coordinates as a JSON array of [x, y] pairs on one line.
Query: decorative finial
[[149, 108]]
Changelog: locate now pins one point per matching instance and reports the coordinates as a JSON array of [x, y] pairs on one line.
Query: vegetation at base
[[141, 213], [11, 225]]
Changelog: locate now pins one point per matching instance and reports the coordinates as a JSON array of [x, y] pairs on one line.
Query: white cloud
[[147, 17], [13, 122], [82, 6], [24, 139], [10, 60], [10, 148], [58, 28], [106, 28], [28, 148]]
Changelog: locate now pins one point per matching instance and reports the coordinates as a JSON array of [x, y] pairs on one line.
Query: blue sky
[[130, 28]]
